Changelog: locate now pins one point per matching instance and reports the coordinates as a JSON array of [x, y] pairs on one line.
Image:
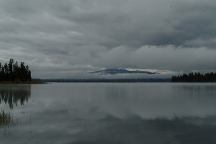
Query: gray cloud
[[75, 35]]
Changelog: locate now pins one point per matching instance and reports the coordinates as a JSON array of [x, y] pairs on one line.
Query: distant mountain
[[122, 80], [113, 71]]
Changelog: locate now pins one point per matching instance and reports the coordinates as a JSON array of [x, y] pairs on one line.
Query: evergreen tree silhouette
[[15, 72], [195, 77]]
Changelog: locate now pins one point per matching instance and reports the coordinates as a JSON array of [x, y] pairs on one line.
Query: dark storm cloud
[[74, 35]]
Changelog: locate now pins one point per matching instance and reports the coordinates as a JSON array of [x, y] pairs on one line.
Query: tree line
[[195, 77], [15, 72]]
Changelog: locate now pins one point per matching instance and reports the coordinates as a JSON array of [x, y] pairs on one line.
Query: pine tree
[[14, 72]]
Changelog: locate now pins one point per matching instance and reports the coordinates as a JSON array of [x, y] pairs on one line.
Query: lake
[[108, 113]]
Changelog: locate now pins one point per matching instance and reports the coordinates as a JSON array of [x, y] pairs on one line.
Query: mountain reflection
[[14, 95]]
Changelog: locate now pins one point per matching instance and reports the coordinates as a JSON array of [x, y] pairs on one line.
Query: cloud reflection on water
[[11, 95], [117, 114]]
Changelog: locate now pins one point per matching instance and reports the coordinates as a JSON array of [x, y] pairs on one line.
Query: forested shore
[[15, 72], [195, 77], [18, 72]]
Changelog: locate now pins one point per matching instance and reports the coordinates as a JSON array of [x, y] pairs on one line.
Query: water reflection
[[14, 95], [154, 131], [5, 119], [113, 114]]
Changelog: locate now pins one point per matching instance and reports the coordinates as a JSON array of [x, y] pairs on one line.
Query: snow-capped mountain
[[115, 71]]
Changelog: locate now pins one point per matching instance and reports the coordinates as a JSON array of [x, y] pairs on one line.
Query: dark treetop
[[195, 77], [14, 72]]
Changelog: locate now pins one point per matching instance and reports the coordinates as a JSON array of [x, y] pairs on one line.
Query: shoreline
[[34, 81]]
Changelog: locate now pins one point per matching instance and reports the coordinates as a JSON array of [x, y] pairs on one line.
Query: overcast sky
[[61, 37]]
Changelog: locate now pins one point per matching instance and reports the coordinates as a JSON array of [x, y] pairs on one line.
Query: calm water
[[96, 113]]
